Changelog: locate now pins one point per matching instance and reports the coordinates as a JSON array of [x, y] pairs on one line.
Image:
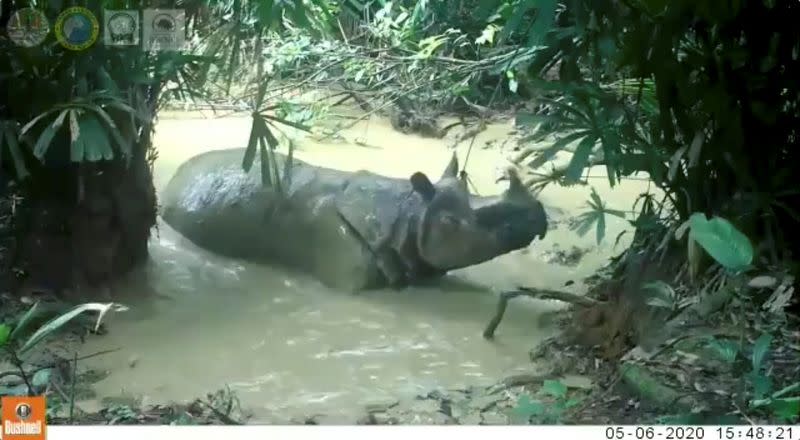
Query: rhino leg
[[333, 253], [391, 266]]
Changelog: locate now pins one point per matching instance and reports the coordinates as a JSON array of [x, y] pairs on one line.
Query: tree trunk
[[85, 225]]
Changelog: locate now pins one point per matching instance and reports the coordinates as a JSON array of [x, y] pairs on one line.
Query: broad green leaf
[[252, 146], [287, 166], [554, 388], [557, 146], [22, 325], [517, 16], [92, 143], [580, 160], [266, 174], [56, 323], [526, 408], [787, 409], [760, 349], [107, 82], [545, 17], [266, 133], [34, 121], [762, 384], [10, 137], [74, 126], [726, 349], [285, 121], [46, 138], [298, 14], [695, 148], [5, 334], [722, 241], [41, 378], [660, 294], [675, 163], [111, 128]]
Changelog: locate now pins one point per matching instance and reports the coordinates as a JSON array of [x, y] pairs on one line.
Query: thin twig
[[65, 396], [744, 415], [18, 363], [72, 390]]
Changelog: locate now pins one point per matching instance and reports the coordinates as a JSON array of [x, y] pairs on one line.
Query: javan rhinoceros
[[351, 231]]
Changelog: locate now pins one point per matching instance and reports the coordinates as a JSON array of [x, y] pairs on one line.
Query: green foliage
[[700, 98], [58, 322], [99, 104], [661, 294], [12, 337], [764, 398], [723, 242], [725, 349], [5, 333], [760, 350], [22, 336]]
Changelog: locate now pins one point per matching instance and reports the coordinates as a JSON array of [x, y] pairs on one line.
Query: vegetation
[[701, 97]]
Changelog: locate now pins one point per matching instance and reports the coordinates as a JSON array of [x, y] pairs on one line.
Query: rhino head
[[457, 229]]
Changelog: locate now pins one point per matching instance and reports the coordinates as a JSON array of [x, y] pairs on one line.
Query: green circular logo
[[77, 28]]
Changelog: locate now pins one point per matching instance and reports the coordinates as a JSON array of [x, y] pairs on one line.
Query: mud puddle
[[288, 346]]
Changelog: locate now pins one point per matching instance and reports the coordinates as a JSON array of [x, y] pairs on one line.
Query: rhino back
[[218, 206]]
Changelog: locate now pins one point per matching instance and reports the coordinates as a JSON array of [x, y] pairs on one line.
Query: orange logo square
[[24, 418]]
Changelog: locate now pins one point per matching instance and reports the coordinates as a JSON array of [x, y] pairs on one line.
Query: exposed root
[[571, 298]]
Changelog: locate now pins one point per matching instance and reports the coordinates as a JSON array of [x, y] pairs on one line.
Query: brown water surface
[[289, 346]]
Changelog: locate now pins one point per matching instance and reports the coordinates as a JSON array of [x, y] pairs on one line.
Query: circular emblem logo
[[122, 27], [28, 27], [77, 28], [23, 411]]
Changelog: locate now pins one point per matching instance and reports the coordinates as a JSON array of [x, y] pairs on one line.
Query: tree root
[[571, 298], [646, 386]]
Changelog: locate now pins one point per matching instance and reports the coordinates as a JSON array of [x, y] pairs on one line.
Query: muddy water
[[289, 346]]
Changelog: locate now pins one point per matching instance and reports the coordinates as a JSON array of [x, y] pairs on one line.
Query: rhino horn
[[452, 168], [515, 185]]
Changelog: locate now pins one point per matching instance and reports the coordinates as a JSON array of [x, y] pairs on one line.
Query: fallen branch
[[518, 380], [533, 293], [567, 297]]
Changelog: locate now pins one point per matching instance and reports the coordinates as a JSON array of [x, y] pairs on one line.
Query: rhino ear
[[452, 168], [423, 186]]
